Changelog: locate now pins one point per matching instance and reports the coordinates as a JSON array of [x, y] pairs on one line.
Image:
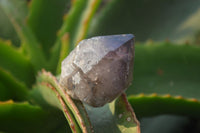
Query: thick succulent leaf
[[85, 21], [115, 117], [121, 116], [150, 19], [81, 31], [169, 71], [11, 88], [4, 93], [14, 62], [73, 19], [68, 28], [73, 110], [75, 26], [16, 12], [7, 30], [64, 51], [46, 96], [24, 117], [168, 124], [152, 105], [45, 18]]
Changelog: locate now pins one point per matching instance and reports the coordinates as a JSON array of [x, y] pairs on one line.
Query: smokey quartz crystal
[[99, 69]]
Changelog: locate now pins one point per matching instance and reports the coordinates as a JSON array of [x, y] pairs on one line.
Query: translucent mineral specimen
[[99, 69]]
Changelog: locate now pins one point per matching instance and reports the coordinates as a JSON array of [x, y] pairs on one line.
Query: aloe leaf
[[72, 20], [16, 12], [85, 21], [76, 108], [82, 29], [115, 117], [152, 105], [45, 18], [7, 31], [166, 70], [68, 28], [12, 87], [120, 109], [4, 94], [46, 95], [75, 25], [24, 117], [14, 62], [152, 19], [168, 124], [65, 50]]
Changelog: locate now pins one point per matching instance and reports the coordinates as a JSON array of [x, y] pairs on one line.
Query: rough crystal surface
[[99, 69]]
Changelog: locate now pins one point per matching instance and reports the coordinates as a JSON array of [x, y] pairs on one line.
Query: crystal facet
[[99, 69]]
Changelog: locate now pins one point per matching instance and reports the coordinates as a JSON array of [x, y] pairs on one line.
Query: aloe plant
[[166, 75], [35, 102]]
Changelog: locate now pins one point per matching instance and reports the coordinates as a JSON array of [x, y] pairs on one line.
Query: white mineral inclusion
[[76, 78], [94, 64]]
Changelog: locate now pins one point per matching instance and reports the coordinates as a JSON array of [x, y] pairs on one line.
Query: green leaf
[[167, 124], [166, 70], [115, 117], [153, 105], [84, 24], [72, 20], [73, 110], [121, 116], [16, 12], [4, 93], [14, 62], [68, 28], [65, 50], [48, 97], [149, 19], [24, 117], [7, 30], [45, 18], [75, 26], [11, 87]]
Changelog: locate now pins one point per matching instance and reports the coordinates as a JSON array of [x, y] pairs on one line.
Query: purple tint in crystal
[[99, 69]]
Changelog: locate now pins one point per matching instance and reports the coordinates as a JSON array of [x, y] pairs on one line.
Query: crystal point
[[99, 69]]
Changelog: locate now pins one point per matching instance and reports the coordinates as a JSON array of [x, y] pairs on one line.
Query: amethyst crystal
[[99, 69]]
